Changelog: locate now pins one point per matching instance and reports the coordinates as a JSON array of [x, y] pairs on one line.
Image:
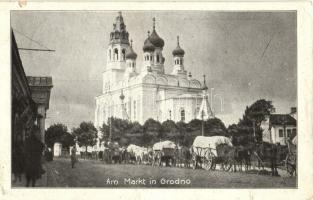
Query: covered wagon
[[164, 152], [204, 152]]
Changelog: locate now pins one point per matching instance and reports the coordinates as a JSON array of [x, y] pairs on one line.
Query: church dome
[[148, 46], [131, 53], [156, 40], [178, 51]]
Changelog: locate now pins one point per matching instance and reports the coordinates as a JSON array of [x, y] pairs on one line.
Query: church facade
[[137, 94]]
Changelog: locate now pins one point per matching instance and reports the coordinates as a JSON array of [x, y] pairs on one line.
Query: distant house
[[278, 128]]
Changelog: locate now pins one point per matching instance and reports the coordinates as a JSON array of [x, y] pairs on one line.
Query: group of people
[[27, 158]]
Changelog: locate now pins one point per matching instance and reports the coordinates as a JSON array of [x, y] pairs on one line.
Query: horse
[[183, 157]]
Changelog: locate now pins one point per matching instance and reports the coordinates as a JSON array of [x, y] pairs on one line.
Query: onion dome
[[148, 46], [131, 53], [155, 38], [178, 51]]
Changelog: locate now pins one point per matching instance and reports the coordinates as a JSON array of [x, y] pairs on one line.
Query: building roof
[[148, 46], [131, 54], [156, 40], [282, 119], [178, 51]]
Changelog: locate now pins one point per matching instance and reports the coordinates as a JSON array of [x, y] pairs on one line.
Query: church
[[137, 93]]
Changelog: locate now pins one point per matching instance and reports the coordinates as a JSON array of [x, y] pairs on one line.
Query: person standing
[[73, 156], [17, 160], [33, 153]]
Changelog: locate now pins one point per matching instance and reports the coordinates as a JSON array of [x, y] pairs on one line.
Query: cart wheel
[[290, 164], [207, 163], [226, 165]]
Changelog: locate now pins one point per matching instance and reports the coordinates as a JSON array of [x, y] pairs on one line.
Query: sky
[[245, 56]]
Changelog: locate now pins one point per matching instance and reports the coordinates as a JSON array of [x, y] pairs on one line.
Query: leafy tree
[[152, 126], [182, 133], [214, 126], [254, 115], [54, 134], [194, 125], [105, 130], [136, 128], [86, 134], [168, 128], [67, 140], [240, 134]]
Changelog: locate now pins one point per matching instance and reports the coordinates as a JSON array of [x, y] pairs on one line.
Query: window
[[157, 58], [110, 56], [281, 133], [115, 54], [182, 115], [123, 54], [288, 133], [151, 57]]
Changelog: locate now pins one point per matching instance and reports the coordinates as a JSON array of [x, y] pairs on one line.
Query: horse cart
[[291, 158], [205, 153], [164, 152]]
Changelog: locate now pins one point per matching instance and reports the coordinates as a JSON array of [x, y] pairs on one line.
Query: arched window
[[182, 115], [115, 54], [151, 57], [158, 58], [123, 54]]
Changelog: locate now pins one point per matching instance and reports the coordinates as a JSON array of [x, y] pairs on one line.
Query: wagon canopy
[[210, 142], [165, 144]]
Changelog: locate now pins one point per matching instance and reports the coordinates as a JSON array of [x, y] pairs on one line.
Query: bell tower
[[116, 53], [119, 43]]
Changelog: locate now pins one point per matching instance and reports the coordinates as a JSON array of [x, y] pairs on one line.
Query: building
[[24, 109], [40, 91], [278, 128], [137, 94], [30, 98]]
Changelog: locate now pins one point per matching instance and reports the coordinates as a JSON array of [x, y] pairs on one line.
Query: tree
[[194, 125], [152, 126], [105, 130], [168, 128], [182, 137], [136, 128], [254, 115], [214, 126], [86, 134], [67, 140], [54, 134]]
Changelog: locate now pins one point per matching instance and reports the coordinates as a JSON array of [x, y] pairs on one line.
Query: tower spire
[[131, 43], [177, 40], [204, 83], [153, 23]]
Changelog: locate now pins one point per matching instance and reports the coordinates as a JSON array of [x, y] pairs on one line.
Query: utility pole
[[202, 124]]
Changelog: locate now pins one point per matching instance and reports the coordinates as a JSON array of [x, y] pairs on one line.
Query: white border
[[305, 93]]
